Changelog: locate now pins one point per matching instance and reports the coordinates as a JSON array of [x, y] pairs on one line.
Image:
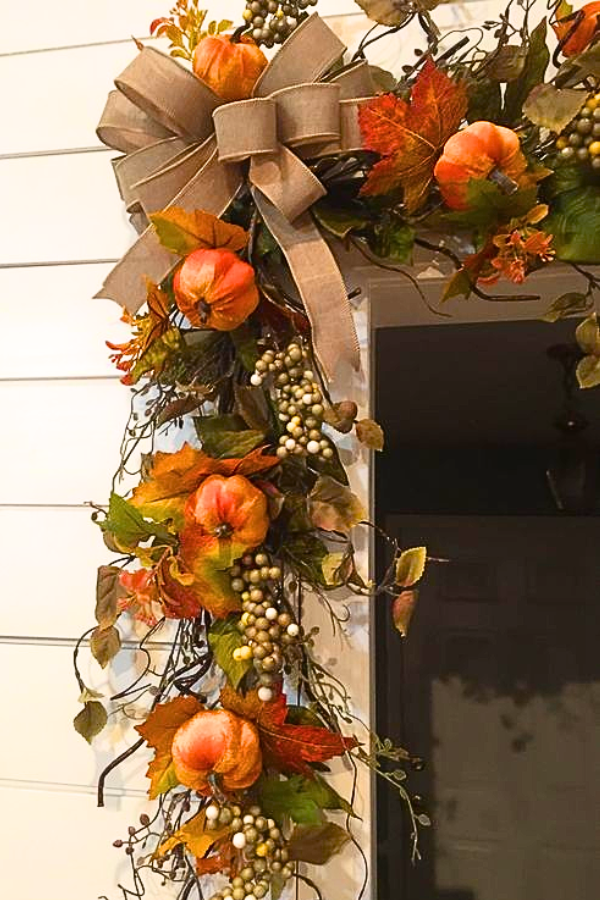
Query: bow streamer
[[184, 146]]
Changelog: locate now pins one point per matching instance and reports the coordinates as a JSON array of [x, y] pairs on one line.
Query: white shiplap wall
[[61, 226]]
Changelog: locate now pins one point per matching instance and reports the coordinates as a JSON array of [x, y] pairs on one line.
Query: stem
[[113, 765]]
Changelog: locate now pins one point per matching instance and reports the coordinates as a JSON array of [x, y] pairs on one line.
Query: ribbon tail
[[320, 284], [212, 189]]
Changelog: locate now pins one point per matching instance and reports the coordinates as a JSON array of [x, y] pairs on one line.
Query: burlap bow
[[185, 147]]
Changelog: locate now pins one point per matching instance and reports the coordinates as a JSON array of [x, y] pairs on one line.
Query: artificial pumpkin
[[218, 743], [579, 28], [230, 67], [229, 511], [474, 153], [215, 289]]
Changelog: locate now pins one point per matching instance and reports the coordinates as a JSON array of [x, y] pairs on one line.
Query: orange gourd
[[230, 68], [218, 743], [582, 27], [474, 153], [215, 289]]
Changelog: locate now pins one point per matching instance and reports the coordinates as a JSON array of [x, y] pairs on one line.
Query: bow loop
[[307, 113], [246, 128]]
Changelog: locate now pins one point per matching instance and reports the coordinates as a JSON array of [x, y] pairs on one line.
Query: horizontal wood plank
[[51, 326], [64, 445]]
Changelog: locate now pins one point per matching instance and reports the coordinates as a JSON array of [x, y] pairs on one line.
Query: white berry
[[293, 630], [212, 812], [265, 694], [256, 379], [239, 840], [271, 613]]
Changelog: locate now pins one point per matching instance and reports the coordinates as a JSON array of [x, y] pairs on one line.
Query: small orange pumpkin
[[217, 742], [475, 152], [215, 289], [230, 68], [229, 509], [583, 24]]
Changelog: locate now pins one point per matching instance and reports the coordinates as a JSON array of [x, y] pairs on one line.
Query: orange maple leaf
[[158, 731], [410, 135], [174, 476], [286, 747]]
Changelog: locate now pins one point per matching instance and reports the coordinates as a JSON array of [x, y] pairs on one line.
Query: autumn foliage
[[231, 68]]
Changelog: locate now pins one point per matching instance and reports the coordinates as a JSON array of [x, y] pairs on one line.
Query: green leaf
[[332, 467], [564, 178], [339, 222], [226, 437], [91, 720], [569, 304], [105, 644], [553, 108], [393, 240], [588, 372], [587, 335], [410, 566], [300, 798], [108, 591], [488, 206], [577, 68], [317, 844], [165, 780], [223, 639], [129, 527], [574, 222], [536, 63], [245, 345], [307, 553], [460, 285], [485, 100]]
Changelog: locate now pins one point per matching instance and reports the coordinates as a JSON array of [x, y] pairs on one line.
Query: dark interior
[[492, 462]]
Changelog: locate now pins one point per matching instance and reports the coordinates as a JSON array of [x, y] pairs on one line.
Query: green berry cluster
[[267, 631], [272, 22], [580, 142], [260, 851], [298, 399]]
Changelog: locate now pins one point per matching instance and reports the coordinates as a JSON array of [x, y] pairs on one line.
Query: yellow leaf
[[183, 232], [370, 434], [410, 566], [195, 836]]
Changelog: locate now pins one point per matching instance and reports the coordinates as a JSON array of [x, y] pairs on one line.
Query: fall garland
[[234, 174]]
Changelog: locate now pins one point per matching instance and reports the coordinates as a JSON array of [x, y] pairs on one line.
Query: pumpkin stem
[[506, 184], [224, 530], [237, 34], [203, 310]]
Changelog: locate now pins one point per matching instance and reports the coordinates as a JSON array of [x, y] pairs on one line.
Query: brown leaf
[[333, 507], [553, 108], [105, 643], [410, 135], [341, 416], [317, 844], [183, 232], [108, 592], [402, 610], [370, 434]]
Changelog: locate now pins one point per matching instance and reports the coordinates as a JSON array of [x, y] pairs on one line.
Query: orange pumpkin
[[230, 68], [582, 27], [229, 509], [215, 289], [217, 742], [475, 152]]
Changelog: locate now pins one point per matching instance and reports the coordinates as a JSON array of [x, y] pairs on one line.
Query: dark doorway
[[498, 684]]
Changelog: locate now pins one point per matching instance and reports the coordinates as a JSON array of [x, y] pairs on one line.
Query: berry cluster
[[267, 631], [580, 142], [261, 851], [272, 22], [298, 399]]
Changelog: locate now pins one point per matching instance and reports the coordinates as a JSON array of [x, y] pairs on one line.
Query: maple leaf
[[183, 232], [286, 747], [174, 476], [158, 731], [410, 135]]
